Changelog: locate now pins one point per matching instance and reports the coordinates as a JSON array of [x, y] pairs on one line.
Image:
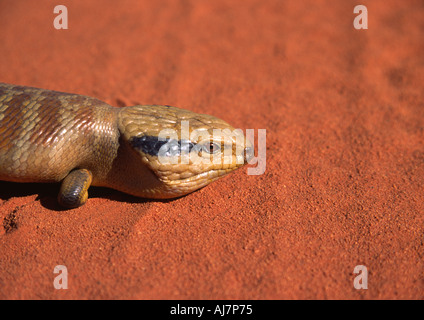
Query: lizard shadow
[[47, 194]]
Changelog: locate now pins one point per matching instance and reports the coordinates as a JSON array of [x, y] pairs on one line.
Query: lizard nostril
[[248, 154]]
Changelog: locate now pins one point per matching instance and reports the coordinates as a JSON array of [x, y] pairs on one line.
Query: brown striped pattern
[[45, 134]]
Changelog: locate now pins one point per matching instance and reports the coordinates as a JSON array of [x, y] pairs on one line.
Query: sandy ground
[[344, 114]]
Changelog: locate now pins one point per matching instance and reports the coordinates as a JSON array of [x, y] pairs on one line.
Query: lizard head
[[177, 151]]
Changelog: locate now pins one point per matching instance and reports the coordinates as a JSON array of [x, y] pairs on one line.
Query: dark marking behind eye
[[153, 146]]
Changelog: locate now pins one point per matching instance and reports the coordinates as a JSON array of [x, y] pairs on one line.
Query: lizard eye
[[212, 147]]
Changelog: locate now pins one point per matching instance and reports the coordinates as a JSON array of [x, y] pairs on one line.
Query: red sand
[[344, 115]]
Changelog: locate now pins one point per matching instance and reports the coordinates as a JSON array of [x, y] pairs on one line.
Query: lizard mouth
[[197, 177]]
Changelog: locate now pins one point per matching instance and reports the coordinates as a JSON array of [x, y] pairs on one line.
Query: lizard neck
[[103, 143]]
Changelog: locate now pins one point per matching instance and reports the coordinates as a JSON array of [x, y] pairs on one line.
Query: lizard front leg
[[74, 190]]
